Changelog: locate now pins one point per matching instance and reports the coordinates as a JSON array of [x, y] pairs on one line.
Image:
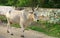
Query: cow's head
[[32, 16], [36, 14]]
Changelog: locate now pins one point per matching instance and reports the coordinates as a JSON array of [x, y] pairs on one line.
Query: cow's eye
[[34, 14]]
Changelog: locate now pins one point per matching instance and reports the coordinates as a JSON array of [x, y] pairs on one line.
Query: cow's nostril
[[37, 20]]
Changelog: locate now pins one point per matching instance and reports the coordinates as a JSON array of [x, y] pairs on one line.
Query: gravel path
[[16, 31]]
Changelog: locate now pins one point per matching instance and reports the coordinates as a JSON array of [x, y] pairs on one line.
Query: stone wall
[[48, 14]]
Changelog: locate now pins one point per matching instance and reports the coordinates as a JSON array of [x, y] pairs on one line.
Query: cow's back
[[15, 16]]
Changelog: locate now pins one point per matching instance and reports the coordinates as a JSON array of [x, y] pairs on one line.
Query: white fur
[[23, 16]]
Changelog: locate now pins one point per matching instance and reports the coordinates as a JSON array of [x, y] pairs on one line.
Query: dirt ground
[[17, 33]]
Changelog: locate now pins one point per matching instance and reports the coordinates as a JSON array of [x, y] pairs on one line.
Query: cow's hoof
[[12, 34], [22, 35], [8, 31]]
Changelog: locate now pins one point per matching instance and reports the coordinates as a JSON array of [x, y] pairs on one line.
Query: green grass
[[15, 25], [47, 28], [3, 19]]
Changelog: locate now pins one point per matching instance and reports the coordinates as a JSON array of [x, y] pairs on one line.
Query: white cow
[[25, 17]]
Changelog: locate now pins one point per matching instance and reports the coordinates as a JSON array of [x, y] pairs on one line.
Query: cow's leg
[[9, 28], [22, 30]]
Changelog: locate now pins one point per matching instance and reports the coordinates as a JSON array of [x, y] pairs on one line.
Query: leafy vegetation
[[32, 3]]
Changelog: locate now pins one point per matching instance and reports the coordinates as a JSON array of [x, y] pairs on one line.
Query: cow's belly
[[15, 19]]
